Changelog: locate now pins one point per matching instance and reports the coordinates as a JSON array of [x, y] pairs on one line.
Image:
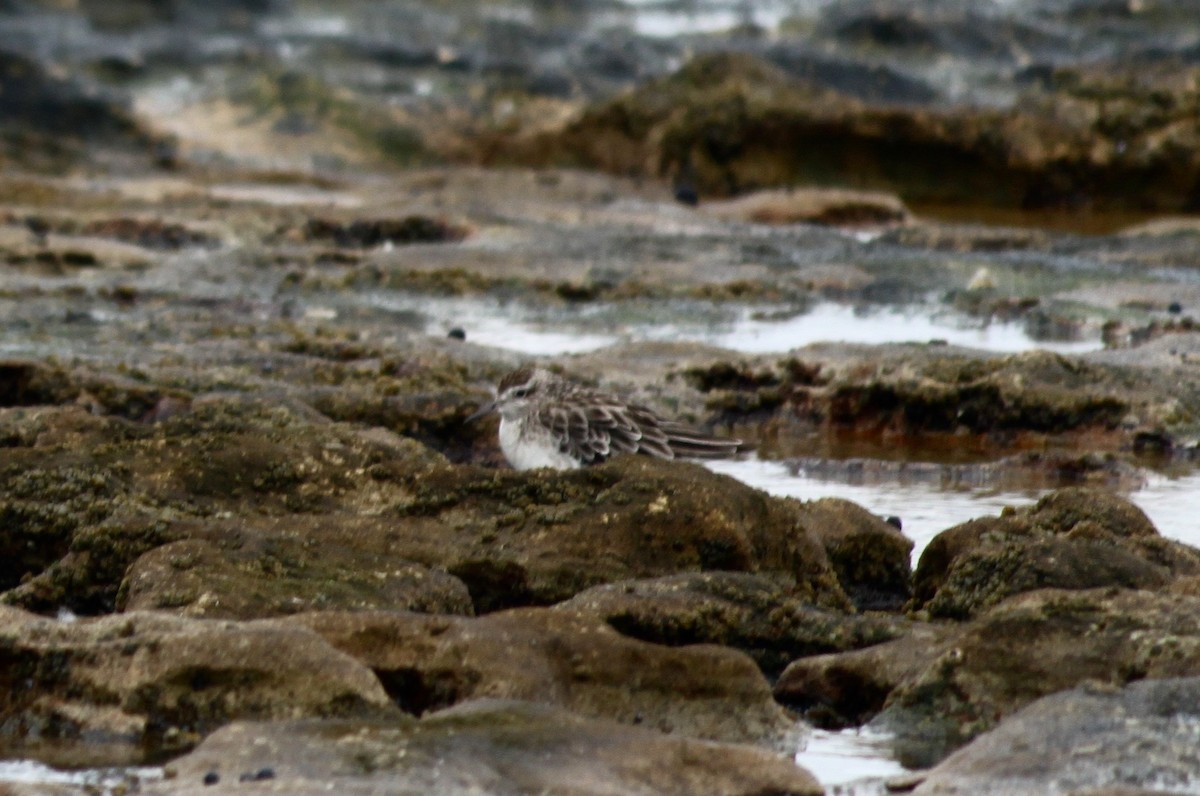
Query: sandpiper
[[548, 421]]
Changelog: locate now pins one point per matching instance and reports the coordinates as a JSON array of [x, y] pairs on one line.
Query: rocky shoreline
[[272, 522], [248, 535]]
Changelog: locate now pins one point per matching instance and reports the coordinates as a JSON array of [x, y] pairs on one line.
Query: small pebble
[[212, 778]]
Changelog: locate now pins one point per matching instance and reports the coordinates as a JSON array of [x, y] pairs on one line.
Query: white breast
[[527, 448]]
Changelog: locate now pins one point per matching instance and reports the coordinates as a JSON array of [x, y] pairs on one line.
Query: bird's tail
[[690, 443]]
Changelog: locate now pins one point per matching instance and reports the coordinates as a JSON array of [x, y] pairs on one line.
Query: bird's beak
[[486, 409]]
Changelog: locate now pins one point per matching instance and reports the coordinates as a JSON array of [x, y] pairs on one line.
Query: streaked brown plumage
[[548, 421]]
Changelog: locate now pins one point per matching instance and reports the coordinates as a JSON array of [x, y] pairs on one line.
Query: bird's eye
[[520, 393]]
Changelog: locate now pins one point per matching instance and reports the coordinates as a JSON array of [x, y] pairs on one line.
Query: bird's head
[[515, 393]]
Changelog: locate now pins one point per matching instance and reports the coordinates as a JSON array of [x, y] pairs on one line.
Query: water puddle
[[284, 195], [508, 325], [541, 331], [927, 508], [828, 321], [98, 781], [854, 762], [669, 18]]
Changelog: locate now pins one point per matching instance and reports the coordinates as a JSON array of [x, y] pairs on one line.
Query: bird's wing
[[598, 426]]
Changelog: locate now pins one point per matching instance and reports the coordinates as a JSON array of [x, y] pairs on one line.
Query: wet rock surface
[[846, 689], [1039, 113], [562, 658], [1137, 739], [490, 746], [762, 616], [1033, 645], [288, 447]]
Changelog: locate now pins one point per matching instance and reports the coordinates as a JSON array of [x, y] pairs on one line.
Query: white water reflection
[[541, 331], [668, 18], [509, 325], [99, 781], [926, 509], [847, 324], [852, 762]]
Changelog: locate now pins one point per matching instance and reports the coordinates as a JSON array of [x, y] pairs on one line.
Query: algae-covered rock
[[278, 509], [87, 498], [1074, 538], [932, 394], [540, 537], [732, 122], [239, 575]]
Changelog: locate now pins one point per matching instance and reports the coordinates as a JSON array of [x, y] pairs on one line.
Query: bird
[[549, 421]]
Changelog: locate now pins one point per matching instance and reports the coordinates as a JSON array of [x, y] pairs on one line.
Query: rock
[[1089, 740], [847, 689], [870, 555], [149, 233], [556, 657], [754, 613], [367, 233], [941, 395], [286, 510], [29, 382], [1037, 391], [485, 747], [542, 537], [1035, 644], [58, 256], [119, 690], [811, 205], [271, 574], [46, 120], [1073, 539], [740, 123], [86, 487]]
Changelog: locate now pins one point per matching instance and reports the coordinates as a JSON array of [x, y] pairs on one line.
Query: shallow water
[[668, 18], [552, 331], [97, 781], [856, 762], [927, 508], [847, 324], [853, 762]]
